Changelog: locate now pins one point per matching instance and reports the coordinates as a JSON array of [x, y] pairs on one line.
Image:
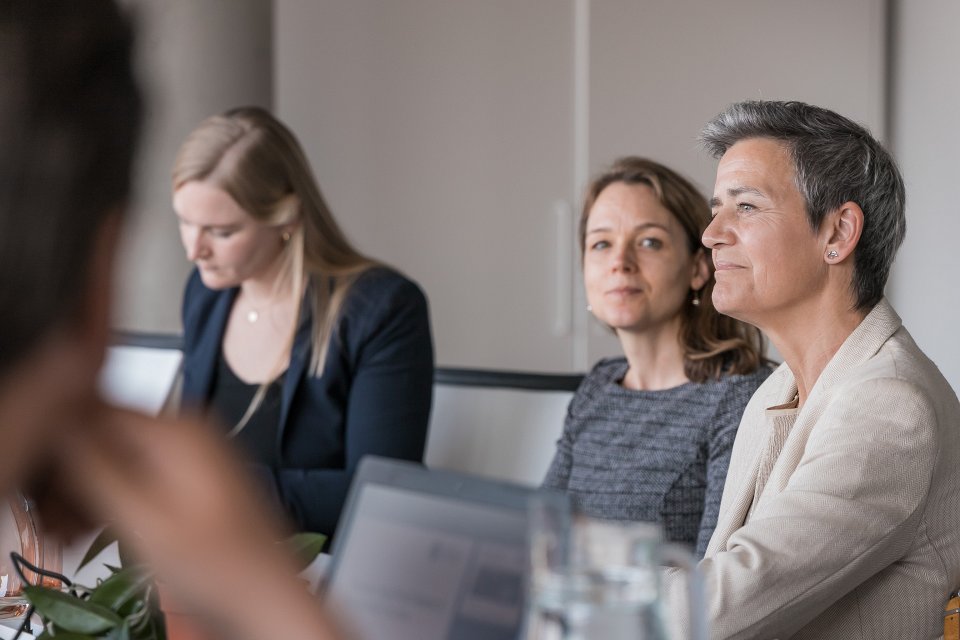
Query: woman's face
[[768, 260], [637, 266], [225, 242]]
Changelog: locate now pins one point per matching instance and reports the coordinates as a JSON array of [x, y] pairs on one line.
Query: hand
[[181, 499], [39, 396]]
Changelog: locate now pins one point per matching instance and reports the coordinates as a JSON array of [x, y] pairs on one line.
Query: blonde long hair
[[256, 159]]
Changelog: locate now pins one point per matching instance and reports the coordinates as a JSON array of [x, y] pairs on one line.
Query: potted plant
[[126, 605]]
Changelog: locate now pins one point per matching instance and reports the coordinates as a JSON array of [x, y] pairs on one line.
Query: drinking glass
[[600, 579], [18, 532]]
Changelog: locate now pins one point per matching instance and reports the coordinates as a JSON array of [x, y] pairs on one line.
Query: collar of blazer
[[780, 388]]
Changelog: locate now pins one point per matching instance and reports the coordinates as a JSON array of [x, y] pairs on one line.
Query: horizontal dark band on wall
[[507, 379], [149, 340], [452, 376]]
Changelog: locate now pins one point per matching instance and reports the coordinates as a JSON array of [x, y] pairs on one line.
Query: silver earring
[[695, 298], [589, 308], [832, 255]]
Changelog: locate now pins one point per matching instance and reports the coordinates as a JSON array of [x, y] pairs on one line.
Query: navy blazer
[[373, 396]]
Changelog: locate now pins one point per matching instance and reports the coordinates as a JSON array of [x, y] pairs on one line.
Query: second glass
[[600, 579]]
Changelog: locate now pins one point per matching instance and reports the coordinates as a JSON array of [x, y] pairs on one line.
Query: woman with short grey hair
[[840, 516], [835, 161]]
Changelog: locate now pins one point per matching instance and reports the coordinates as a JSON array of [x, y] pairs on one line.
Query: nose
[[716, 232], [193, 242], [624, 259]]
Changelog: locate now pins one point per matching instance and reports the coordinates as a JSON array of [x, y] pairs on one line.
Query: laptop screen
[[430, 555]]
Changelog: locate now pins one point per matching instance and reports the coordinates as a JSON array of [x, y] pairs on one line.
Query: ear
[[841, 232], [700, 271]]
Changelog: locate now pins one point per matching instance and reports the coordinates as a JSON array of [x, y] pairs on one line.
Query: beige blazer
[[856, 531]]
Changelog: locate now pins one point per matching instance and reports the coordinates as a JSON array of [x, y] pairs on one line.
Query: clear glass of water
[[598, 579]]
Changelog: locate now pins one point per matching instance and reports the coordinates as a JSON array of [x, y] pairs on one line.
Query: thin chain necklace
[[253, 314]]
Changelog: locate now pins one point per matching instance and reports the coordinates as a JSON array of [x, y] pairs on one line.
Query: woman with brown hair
[[313, 354], [648, 436]]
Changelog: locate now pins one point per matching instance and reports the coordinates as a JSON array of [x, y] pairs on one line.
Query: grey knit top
[[655, 456]]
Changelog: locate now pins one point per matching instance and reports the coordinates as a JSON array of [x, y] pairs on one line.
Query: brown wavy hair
[[713, 344]]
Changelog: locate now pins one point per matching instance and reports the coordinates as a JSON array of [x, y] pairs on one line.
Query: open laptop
[[140, 378], [430, 555]]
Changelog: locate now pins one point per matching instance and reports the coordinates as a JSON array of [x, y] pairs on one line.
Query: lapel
[[208, 347], [861, 345], [299, 361], [749, 445]]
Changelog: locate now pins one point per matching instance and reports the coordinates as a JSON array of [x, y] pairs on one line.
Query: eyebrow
[[645, 225], [733, 193], [230, 225]]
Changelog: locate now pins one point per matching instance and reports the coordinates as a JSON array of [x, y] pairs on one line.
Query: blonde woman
[[312, 354], [648, 435]]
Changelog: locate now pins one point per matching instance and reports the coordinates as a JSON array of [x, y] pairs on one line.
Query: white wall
[[440, 132], [926, 140], [199, 57], [444, 132]]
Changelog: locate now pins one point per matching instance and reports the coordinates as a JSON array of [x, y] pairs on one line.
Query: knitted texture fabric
[[654, 456]]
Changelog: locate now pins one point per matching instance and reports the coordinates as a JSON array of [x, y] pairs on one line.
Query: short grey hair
[[836, 161]]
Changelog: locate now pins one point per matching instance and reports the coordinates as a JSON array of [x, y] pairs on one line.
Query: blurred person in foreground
[[69, 114], [840, 517], [648, 435]]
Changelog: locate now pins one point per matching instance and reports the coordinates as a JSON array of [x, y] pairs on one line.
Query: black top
[[229, 399], [373, 396]]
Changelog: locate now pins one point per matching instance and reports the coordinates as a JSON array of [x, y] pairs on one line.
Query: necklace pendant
[[252, 316]]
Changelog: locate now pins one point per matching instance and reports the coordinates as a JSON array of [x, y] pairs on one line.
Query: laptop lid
[[425, 554], [140, 378]]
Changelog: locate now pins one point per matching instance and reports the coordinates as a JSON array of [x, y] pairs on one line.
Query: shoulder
[[386, 290], [880, 357], [730, 395], [604, 373], [385, 308], [900, 377], [737, 389], [598, 384], [899, 358]]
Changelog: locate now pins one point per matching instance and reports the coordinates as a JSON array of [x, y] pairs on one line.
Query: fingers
[[41, 394], [174, 488]]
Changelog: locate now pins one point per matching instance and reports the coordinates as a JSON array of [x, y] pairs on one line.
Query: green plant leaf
[[121, 588], [103, 540], [127, 558], [306, 547], [119, 633], [70, 613], [64, 635]]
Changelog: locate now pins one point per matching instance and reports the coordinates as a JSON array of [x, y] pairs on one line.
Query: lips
[[624, 291], [725, 265]]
